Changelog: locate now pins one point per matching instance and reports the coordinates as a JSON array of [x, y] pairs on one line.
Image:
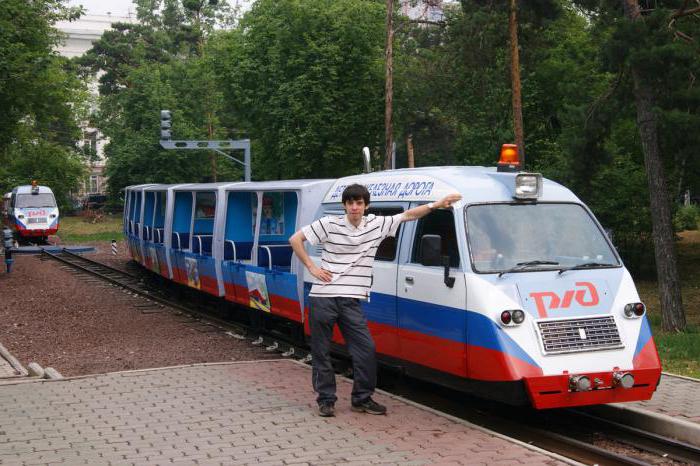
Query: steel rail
[[665, 447]]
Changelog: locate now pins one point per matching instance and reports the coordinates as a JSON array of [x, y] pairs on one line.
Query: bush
[[686, 218]]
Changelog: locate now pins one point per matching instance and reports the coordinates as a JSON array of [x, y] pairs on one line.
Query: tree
[[673, 316], [161, 63], [304, 78], [40, 96]]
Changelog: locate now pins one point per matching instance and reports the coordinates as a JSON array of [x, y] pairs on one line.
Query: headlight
[[633, 310], [528, 186], [518, 316]]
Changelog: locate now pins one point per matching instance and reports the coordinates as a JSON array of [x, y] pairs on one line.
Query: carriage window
[[387, 248], [205, 205], [440, 222]]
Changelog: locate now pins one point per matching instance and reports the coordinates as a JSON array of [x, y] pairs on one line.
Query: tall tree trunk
[[389, 84], [409, 149], [515, 80], [672, 314]]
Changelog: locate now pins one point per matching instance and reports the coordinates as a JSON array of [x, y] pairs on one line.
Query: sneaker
[[326, 409], [369, 406]]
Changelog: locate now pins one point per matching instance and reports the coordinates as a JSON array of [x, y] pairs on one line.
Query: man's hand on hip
[[322, 274]]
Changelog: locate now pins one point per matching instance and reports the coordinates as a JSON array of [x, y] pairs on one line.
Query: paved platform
[[259, 412], [52, 249], [676, 396]]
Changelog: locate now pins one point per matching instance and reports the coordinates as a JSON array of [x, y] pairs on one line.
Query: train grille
[[37, 220], [572, 335]]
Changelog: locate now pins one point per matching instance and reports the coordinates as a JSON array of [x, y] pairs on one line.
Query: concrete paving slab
[[676, 396], [231, 413]]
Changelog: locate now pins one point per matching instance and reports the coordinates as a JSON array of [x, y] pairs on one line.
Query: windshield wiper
[[525, 265], [586, 265]]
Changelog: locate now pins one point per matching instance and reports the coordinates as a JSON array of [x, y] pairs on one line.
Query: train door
[[157, 253], [432, 315], [180, 236], [274, 256], [381, 309], [159, 233], [149, 252], [199, 263], [134, 213], [239, 234]]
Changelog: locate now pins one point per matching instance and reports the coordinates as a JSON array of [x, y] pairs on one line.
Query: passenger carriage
[[515, 294]]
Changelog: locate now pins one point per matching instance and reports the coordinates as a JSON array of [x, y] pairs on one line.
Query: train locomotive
[[31, 212], [514, 294]]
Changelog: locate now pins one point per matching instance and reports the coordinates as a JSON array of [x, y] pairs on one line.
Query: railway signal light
[[166, 124]]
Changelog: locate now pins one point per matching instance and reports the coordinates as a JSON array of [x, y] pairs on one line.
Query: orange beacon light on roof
[[509, 160]]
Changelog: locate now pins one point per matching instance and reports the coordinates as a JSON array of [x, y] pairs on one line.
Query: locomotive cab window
[[387, 248], [440, 222]]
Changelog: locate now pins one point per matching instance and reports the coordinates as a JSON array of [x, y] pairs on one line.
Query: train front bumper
[[38, 232], [556, 391]]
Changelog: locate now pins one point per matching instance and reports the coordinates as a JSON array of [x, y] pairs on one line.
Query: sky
[[102, 7], [120, 7]]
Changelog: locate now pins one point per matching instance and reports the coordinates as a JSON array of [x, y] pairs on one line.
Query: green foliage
[[305, 79], [49, 163], [41, 98], [162, 63], [687, 218]]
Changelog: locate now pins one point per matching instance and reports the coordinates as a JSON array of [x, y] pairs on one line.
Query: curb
[[661, 424], [16, 365]]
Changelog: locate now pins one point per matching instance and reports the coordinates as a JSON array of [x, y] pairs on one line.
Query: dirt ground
[[59, 319]]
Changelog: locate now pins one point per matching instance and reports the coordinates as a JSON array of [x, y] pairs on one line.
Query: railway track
[[574, 434]]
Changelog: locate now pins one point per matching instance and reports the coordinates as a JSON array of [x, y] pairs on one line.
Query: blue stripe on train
[[644, 335], [445, 322]]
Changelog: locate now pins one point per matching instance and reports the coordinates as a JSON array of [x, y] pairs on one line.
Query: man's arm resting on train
[[425, 209], [297, 243]]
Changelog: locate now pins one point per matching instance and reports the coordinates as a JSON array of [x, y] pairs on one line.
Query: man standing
[[344, 279]]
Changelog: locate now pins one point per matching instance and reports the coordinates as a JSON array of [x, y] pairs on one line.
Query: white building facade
[[79, 38]]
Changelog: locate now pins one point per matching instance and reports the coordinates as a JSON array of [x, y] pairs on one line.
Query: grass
[[81, 229], [679, 352]]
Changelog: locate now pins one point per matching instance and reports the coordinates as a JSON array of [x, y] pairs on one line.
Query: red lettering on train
[[555, 302]]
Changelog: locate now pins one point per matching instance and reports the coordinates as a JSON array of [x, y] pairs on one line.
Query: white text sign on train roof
[[394, 188]]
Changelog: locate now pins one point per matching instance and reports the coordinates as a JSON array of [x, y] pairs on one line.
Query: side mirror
[[430, 247]]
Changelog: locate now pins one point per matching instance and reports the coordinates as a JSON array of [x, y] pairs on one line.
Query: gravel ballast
[[79, 326]]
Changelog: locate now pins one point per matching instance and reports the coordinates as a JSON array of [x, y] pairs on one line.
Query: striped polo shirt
[[348, 252]]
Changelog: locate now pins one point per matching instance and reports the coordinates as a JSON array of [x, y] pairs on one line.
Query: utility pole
[[389, 85], [167, 143], [515, 80]]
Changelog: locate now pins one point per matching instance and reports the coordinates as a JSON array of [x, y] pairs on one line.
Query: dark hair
[[355, 192]]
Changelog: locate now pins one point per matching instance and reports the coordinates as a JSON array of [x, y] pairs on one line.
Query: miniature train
[[525, 300], [31, 212]]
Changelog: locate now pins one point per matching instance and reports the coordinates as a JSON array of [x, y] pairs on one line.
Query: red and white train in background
[[515, 294], [30, 211]]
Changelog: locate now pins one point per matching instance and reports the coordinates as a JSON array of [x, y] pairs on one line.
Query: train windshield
[[35, 200], [527, 237]]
